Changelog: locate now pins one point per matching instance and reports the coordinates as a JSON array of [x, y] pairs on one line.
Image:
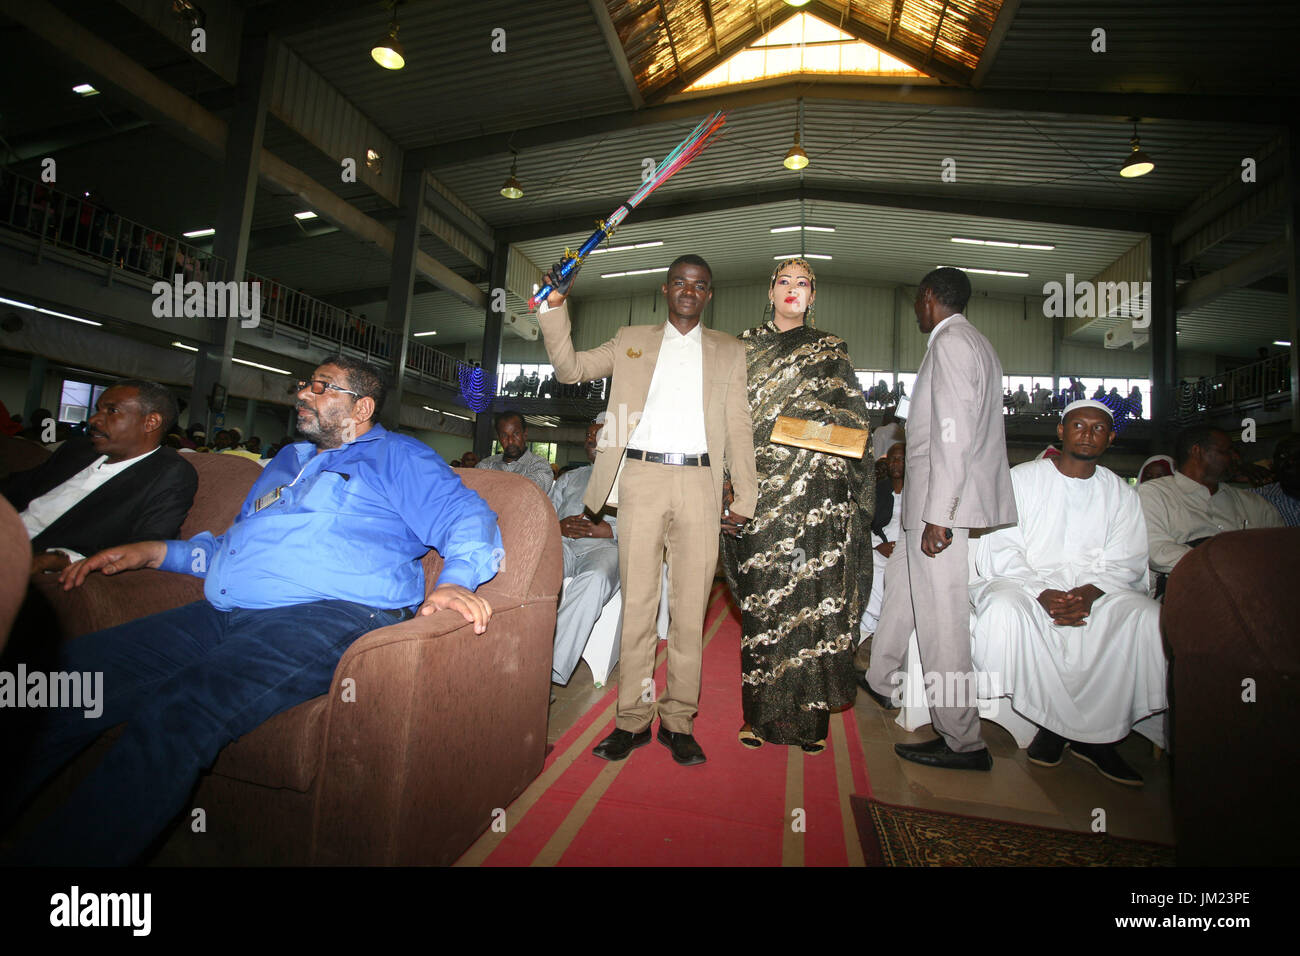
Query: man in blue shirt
[[326, 548]]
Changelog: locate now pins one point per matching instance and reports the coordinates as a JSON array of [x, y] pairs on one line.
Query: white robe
[[1089, 683]]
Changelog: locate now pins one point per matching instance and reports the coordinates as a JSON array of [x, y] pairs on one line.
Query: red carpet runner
[[770, 807]]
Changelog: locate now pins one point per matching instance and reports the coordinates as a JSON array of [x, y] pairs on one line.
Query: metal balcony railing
[[121, 247], [1261, 383], [60, 220]]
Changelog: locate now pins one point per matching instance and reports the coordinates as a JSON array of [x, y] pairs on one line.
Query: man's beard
[[317, 431]]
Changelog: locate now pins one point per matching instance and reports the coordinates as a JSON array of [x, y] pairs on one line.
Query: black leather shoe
[[1046, 749], [885, 703], [1108, 762], [937, 753], [621, 743], [683, 746]]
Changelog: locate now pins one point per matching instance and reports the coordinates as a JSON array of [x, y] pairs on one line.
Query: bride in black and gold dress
[[800, 569]]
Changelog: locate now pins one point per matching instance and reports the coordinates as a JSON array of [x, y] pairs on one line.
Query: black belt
[[668, 458]]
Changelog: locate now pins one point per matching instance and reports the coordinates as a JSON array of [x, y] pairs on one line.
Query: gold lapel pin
[[633, 353]]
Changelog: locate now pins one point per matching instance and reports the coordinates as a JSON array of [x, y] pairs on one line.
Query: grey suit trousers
[[931, 595]]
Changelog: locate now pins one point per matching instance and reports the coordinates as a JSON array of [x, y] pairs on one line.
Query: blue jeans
[[186, 682]]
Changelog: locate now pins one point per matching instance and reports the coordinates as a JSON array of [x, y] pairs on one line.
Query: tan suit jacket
[[630, 357], [957, 470]]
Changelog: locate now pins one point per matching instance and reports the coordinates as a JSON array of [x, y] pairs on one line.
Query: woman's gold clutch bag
[[832, 439]]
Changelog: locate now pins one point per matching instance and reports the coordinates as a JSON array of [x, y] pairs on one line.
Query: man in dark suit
[[116, 486]]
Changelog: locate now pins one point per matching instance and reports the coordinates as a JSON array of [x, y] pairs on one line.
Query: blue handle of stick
[[567, 266]]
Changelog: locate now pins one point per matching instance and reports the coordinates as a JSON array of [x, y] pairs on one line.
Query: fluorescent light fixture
[[802, 255], [306, 214], [1284, 344], [182, 345], [85, 89], [989, 272], [1004, 243], [37, 308], [775, 229], [422, 334], [199, 233], [264, 368], [463, 418], [632, 272], [632, 245]]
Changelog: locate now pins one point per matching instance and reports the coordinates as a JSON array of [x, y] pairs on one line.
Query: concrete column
[[235, 215], [34, 398], [1164, 336], [492, 322], [1293, 266], [250, 420], [401, 286]]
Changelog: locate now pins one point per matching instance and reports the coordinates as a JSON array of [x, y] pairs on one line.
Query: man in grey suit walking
[[957, 479]]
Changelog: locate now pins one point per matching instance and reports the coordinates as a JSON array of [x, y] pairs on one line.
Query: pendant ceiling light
[[1138, 162], [796, 158], [513, 188], [388, 52]]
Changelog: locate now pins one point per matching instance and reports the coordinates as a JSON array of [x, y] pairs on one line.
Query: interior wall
[[864, 316]]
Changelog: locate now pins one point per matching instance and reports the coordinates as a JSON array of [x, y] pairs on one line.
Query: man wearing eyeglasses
[[327, 547]]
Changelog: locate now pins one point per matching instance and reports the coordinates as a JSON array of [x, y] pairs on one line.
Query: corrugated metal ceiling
[[1156, 46]]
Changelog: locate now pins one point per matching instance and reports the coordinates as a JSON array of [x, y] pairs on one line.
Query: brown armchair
[[15, 561], [426, 730], [1230, 614]]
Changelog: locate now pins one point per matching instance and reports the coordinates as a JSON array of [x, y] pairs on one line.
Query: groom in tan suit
[[678, 412], [958, 479]]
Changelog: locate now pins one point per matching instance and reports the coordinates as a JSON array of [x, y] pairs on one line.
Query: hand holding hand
[[733, 523]]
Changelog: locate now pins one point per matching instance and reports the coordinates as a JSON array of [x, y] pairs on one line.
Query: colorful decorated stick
[[686, 150]]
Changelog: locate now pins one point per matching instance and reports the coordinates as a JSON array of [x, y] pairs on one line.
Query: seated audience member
[[313, 562], [10, 425], [1063, 623], [512, 433], [195, 436], [887, 435], [116, 487], [1192, 505], [1283, 493], [251, 449], [469, 460], [36, 428], [590, 559], [886, 528], [1157, 466]]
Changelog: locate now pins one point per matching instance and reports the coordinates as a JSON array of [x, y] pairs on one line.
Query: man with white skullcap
[[1064, 626]]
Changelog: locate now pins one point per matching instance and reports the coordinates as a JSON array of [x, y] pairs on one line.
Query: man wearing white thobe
[[886, 530], [590, 562], [1064, 625]]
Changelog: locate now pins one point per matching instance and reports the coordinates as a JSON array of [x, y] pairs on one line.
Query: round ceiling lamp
[[1138, 162], [513, 188]]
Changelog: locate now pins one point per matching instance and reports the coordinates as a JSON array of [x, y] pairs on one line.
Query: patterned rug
[[906, 836]]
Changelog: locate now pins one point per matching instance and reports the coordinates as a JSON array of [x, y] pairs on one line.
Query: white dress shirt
[[673, 419], [54, 504]]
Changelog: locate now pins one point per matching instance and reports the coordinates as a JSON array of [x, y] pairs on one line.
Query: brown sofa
[[224, 481], [445, 726], [15, 562], [1232, 613]]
